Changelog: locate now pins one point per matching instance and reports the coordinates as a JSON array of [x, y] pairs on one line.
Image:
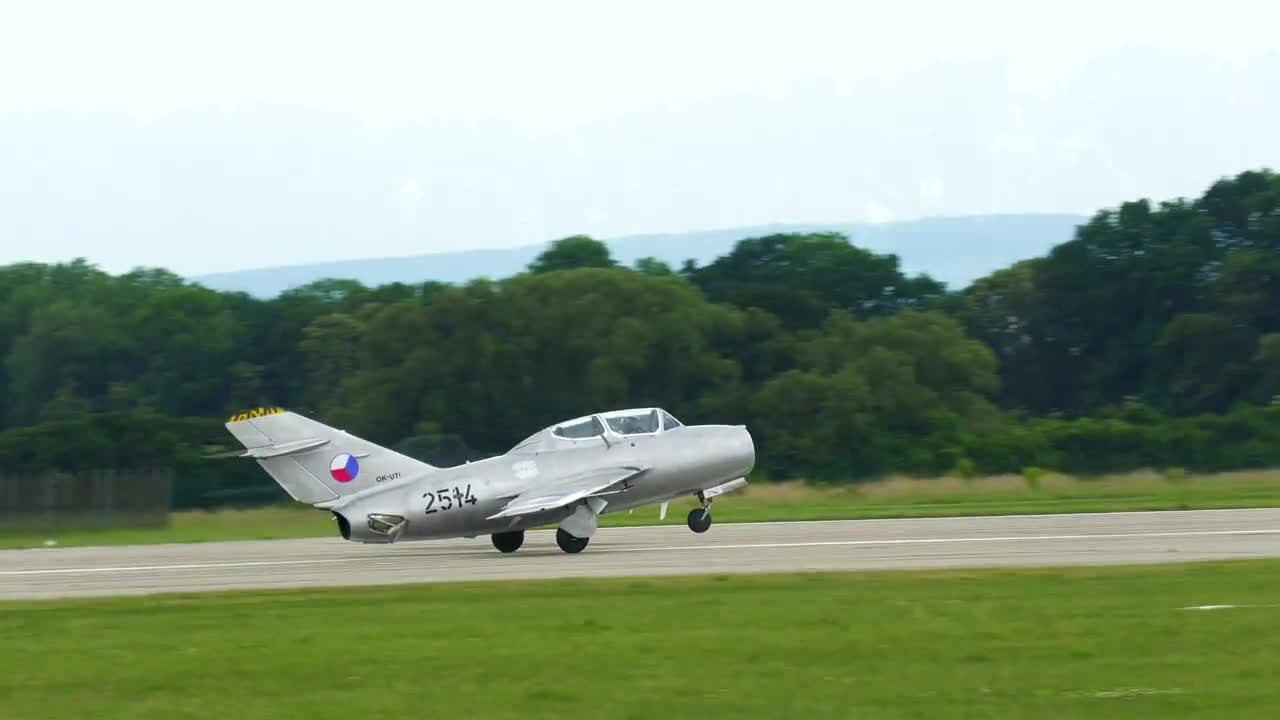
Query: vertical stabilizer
[[314, 463]]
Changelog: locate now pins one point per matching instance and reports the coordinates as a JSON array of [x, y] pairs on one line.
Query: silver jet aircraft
[[567, 474]]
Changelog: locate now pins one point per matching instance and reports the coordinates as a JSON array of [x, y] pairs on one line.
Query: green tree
[[653, 266], [799, 278], [1098, 318], [1201, 362], [330, 353], [813, 425], [1005, 311], [575, 251], [898, 392], [493, 361], [1266, 362]]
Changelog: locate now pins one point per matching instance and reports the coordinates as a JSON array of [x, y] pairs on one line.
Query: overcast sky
[[217, 136]]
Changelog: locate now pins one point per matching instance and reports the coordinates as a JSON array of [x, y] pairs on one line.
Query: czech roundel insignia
[[344, 468]]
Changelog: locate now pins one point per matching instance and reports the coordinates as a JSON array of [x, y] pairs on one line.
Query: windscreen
[[579, 429], [636, 422]]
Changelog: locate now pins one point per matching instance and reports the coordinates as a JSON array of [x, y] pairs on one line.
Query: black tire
[[569, 543], [699, 520], [508, 542]]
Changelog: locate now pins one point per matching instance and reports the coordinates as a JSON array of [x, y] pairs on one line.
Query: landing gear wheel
[[508, 542], [569, 543], [700, 520]]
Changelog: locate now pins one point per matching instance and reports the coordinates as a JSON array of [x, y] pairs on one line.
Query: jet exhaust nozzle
[[377, 527]]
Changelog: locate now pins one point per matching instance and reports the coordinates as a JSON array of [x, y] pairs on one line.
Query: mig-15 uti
[[567, 475]]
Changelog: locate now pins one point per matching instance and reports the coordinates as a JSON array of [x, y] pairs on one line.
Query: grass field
[[1062, 643], [1002, 495]]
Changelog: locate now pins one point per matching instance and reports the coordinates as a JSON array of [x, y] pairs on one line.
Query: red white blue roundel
[[344, 468]]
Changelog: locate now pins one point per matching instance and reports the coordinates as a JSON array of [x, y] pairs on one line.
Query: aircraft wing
[[567, 490]]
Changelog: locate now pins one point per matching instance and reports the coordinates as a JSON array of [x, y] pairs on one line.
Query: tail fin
[[313, 462]]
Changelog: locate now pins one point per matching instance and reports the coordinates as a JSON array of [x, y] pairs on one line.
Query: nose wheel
[[508, 542], [700, 517], [569, 543]]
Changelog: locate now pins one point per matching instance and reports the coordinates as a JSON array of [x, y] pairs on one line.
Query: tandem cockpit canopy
[[635, 421]]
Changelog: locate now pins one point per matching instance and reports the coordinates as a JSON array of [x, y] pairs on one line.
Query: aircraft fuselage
[[458, 501]]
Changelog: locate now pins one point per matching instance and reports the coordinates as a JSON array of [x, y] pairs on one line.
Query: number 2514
[[448, 499]]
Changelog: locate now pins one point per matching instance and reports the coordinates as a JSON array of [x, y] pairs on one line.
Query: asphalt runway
[[1042, 540]]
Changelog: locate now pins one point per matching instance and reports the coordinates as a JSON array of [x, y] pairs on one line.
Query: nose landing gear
[[700, 518]]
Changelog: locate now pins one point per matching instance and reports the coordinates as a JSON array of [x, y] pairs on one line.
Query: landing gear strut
[[508, 542], [569, 543], [700, 517]]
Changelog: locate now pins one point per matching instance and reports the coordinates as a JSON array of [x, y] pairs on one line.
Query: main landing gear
[[569, 543], [700, 518], [508, 542]]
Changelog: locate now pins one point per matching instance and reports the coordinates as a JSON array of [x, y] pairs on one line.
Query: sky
[[219, 136]]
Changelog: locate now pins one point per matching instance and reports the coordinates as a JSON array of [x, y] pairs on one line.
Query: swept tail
[[314, 463]]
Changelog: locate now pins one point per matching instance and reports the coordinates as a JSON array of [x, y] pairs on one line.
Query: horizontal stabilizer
[[565, 492], [289, 448], [263, 452]]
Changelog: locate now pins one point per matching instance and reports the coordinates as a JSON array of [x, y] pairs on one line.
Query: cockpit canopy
[[635, 421]]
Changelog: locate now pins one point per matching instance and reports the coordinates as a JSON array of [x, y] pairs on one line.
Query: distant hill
[[955, 250]]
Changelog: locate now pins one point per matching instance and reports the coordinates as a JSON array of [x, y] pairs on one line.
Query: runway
[[1042, 540]]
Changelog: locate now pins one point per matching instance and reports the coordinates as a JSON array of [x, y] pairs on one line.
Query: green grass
[[1091, 643], [895, 497]]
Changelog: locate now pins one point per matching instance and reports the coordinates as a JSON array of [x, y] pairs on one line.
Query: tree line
[[1150, 339]]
